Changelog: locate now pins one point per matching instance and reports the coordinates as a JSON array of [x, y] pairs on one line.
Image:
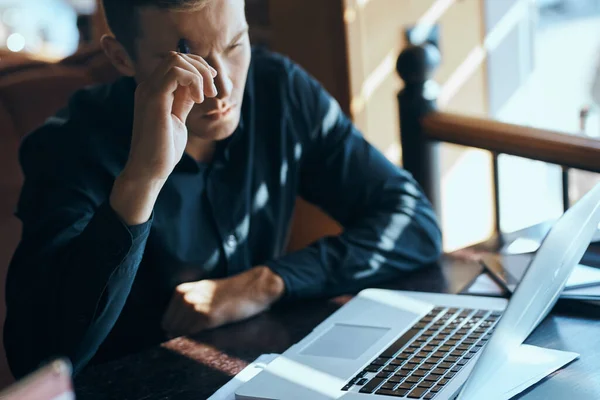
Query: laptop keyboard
[[422, 361]]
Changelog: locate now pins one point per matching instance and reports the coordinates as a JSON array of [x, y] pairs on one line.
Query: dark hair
[[122, 16]]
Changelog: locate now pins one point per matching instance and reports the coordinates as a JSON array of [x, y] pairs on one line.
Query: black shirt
[[83, 284]]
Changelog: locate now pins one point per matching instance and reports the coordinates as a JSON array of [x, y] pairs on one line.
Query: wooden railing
[[537, 144], [423, 128]]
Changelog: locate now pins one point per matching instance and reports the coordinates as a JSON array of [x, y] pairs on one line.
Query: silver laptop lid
[[539, 289]]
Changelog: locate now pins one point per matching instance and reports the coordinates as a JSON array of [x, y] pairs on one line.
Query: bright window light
[[15, 42]]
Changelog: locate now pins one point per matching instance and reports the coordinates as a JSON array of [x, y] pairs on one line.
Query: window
[[45, 28], [553, 63]]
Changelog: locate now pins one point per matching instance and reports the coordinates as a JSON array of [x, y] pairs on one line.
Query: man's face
[[218, 33]]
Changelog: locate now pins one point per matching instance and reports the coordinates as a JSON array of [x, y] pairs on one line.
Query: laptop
[[386, 344], [51, 382]]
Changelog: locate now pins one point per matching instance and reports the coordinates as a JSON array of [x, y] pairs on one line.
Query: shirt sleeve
[[389, 225], [73, 269]]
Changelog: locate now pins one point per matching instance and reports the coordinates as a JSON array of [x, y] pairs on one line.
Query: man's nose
[[223, 83]]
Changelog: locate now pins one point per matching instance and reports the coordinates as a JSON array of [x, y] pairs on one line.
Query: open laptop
[[395, 344]]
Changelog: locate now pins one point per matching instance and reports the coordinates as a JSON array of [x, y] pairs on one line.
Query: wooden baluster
[[496, 181], [565, 188], [584, 114], [421, 157]]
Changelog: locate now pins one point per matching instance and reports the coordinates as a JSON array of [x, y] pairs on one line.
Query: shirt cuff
[[135, 231], [110, 239], [301, 273]]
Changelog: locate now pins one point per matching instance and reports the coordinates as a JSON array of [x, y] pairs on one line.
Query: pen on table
[[500, 282]]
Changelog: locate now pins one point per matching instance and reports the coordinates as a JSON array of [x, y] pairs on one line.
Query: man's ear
[[117, 55]]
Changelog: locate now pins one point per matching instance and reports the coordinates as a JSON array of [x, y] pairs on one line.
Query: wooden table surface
[[195, 367]]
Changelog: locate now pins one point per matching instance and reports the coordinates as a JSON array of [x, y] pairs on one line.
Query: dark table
[[195, 367]]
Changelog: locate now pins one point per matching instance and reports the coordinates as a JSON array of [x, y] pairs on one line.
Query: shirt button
[[231, 241]]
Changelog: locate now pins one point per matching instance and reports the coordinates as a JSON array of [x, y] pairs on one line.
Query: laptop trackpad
[[344, 341]]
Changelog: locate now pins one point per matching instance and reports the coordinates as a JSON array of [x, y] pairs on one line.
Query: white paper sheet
[[227, 392], [521, 246], [583, 275], [527, 366], [591, 293]]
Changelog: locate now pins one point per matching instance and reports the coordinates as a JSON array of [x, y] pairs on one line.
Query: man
[[159, 205]]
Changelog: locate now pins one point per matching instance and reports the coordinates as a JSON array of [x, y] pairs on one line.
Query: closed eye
[[234, 46]]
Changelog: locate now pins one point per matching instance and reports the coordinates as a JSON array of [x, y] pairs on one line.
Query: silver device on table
[[384, 344]]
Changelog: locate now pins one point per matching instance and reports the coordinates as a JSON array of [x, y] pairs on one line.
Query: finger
[[192, 317], [194, 65], [176, 308], [173, 59], [178, 318], [185, 315], [185, 88], [205, 70], [187, 75], [200, 323], [204, 62], [185, 287], [186, 326], [176, 77]]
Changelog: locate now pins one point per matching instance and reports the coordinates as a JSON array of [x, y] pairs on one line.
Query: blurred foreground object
[[51, 382]]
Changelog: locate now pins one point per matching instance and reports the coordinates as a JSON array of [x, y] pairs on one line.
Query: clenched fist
[[206, 304]]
